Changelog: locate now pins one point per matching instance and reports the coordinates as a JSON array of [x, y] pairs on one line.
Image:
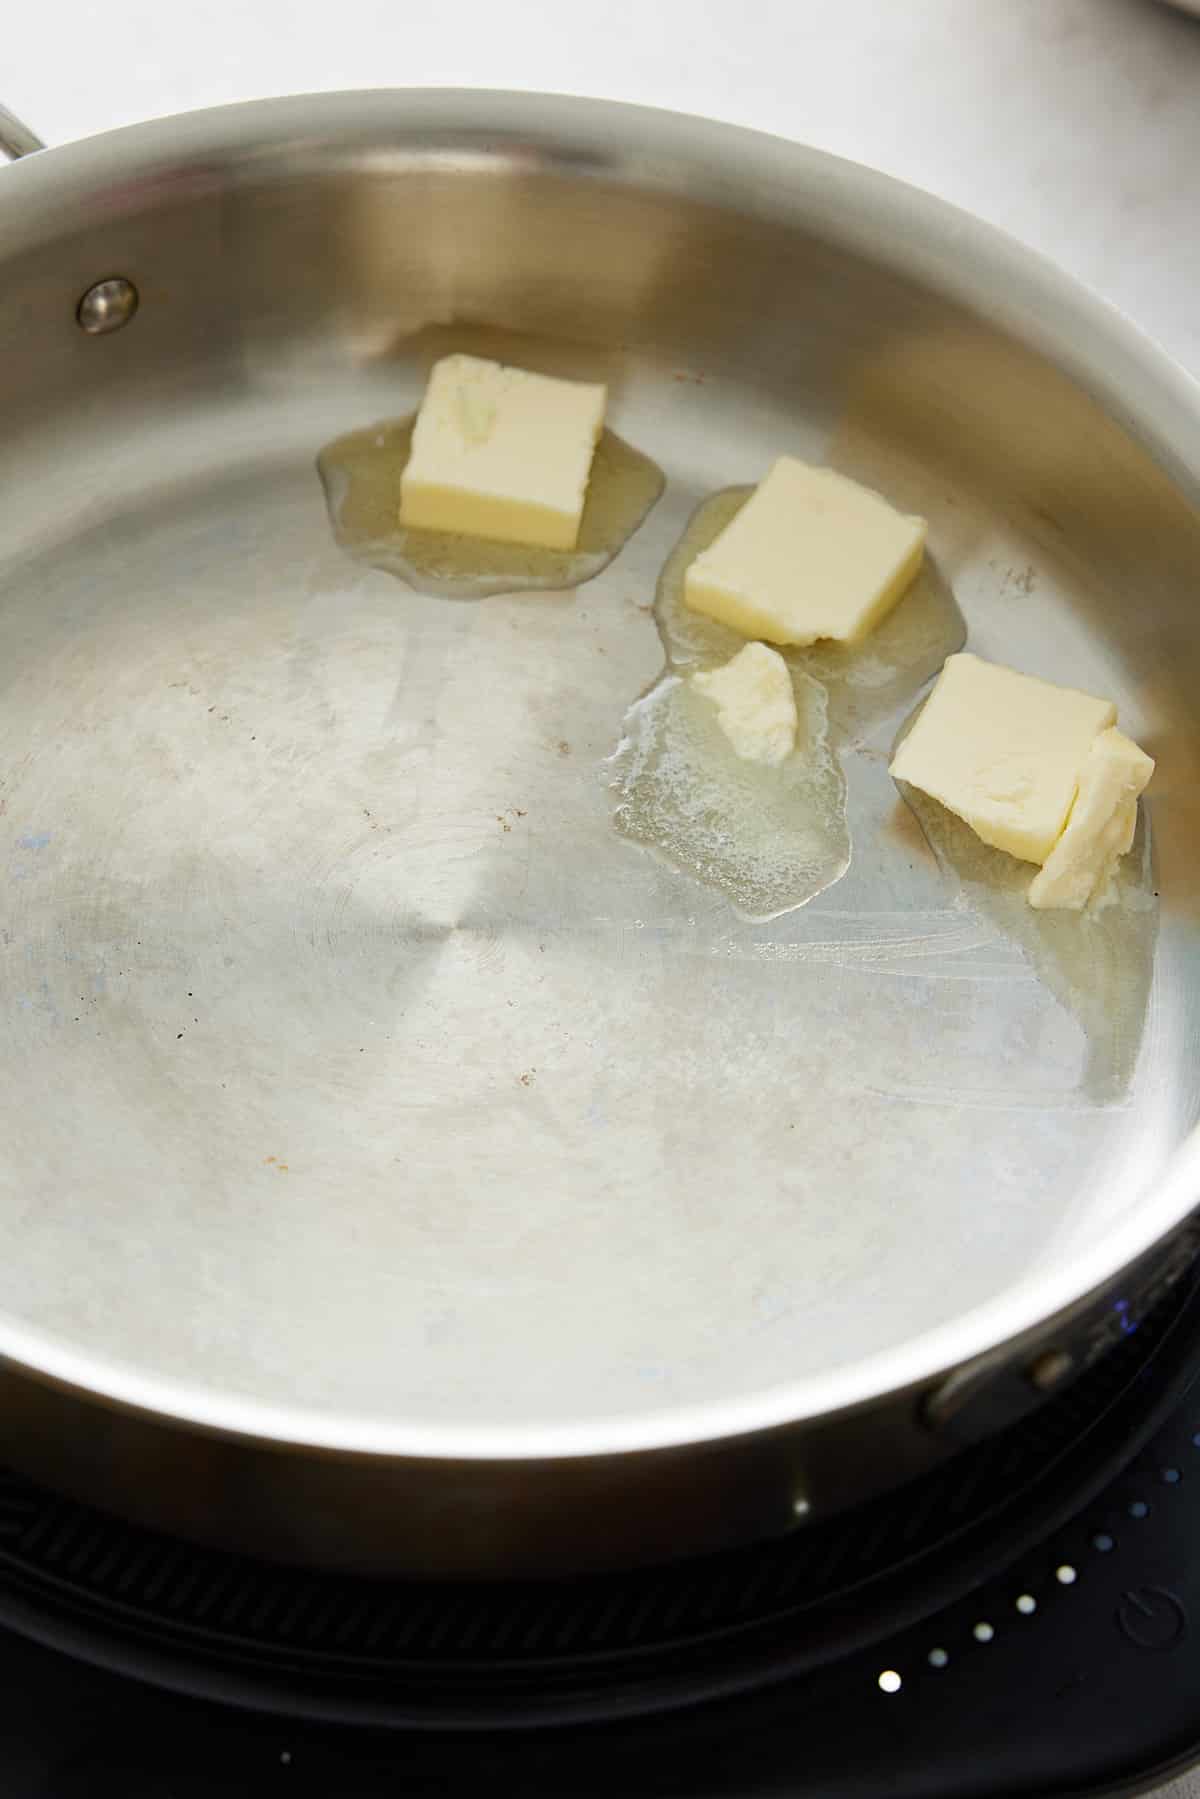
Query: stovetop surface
[[1023, 1623]]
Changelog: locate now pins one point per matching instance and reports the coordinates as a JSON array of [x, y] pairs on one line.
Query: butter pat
[[756, 704], [810, 555], [501, 453], [1101, 826], [1003, 751]]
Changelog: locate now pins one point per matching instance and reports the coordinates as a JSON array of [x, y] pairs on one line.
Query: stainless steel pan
[[385, 1187]]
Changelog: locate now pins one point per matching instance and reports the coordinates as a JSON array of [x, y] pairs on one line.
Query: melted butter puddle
[[1097, 963], [361, 472], [769, 839]]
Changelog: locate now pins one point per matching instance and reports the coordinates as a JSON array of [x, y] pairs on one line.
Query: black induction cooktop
[[1023, 1621]]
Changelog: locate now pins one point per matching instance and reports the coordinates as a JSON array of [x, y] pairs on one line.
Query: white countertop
[[1074, 124]]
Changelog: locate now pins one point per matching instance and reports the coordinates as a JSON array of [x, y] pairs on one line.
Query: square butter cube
[[810, 555], [1004, 751], [1101, 826], [501, 453]]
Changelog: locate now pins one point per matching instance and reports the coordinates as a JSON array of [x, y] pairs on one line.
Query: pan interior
[[352, 1060]]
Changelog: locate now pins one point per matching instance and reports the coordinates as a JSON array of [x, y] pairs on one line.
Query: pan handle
[[16, 139]]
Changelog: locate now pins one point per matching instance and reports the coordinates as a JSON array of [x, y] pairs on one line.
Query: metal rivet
[[107, 306], [1052, 1366]]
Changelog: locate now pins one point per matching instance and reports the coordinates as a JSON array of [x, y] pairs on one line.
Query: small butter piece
[[1003, 751], [498, 452], [1101, 826], [810, 555], [756, 703]]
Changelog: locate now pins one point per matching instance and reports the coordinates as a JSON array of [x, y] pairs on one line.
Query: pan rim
[[992, 273]]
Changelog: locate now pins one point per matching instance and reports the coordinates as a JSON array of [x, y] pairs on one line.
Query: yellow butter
[[501, 453], [1003, 751], [810, 555], [1101, 826], [756, 703]]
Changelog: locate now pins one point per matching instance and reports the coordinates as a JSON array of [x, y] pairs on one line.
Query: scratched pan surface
[[363, 1087]]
